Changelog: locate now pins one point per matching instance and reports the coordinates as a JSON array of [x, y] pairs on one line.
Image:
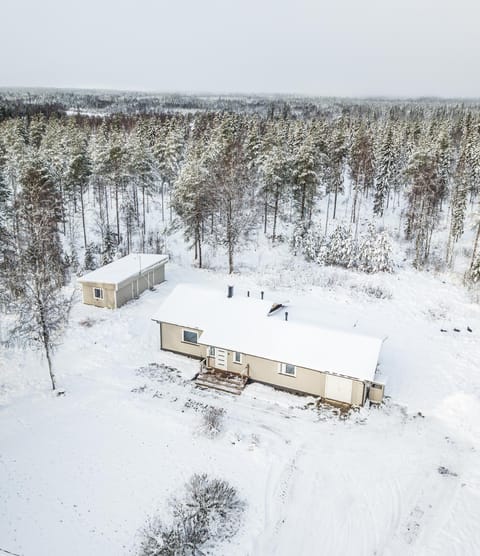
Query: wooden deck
[[209, 377]]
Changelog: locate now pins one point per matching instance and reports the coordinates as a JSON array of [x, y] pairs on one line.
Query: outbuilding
[[253, 338], [116, 283]]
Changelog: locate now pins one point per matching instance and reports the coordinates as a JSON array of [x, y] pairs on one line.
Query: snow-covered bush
[[212, 420], [340, 248], [209, 513], [371, 253], [89, 262], [374, 252]]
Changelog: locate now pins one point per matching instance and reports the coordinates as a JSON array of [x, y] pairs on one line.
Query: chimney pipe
[[286, 315], [230, 291], [261, 294]]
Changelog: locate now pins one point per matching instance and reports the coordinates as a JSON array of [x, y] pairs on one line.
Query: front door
[[221, 359]]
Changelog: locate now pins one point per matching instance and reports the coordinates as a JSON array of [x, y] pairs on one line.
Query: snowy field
[[80, 474]]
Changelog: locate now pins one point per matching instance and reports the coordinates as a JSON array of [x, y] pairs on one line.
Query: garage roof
[[242, 324], [124, 269]]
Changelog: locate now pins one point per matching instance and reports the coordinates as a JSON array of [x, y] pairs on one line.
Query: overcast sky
[[322, 47]]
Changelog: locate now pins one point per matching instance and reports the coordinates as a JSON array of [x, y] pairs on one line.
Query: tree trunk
[[144, 216], [162, 195], [117, 211], [357, 218], [50, 367], [199, 250], [275, 213], [230, 238], [302, 203], [82, 206], [45, 336], [335, 201], [106, 208], [475, 246], [265, 213], [328, 212]]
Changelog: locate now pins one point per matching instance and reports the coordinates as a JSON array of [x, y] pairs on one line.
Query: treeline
[[226, 174]]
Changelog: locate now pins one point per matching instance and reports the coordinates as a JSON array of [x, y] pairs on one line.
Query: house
[[116, 283], [254, 339]]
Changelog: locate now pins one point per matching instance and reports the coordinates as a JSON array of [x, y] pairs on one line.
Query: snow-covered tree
[[340, 248], [374, 252], [36, 282]]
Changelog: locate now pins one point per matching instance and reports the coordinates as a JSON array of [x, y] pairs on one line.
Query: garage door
[[338, 388]]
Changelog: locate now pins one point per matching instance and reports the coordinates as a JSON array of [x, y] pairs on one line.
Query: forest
[[85, 178]]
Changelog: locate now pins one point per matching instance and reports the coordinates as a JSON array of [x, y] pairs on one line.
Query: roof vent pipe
[[230, 291], [261, 294], [286, 315], [248, 293]]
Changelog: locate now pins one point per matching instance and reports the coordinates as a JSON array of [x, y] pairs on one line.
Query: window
[[98, 293], [190, 337], [237, 357], [287, 369], [211, 351]]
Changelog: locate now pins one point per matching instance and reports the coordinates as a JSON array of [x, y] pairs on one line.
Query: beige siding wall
[[264, 370], [306, 381], [108, 295], [376, 394], [358, 388], [172, 340], [126, 290]]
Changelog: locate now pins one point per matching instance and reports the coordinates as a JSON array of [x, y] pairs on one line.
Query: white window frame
[[101, 297], [191, 332], [211, 351], [235, 353], [282, 369]]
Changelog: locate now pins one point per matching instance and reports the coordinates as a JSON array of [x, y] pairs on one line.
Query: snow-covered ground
[[80, 474]]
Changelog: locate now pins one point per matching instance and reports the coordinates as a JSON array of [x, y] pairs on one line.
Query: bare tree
[[35, 280]]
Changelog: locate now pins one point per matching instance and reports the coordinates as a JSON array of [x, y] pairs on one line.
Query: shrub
[[208, 513], [212, 420]]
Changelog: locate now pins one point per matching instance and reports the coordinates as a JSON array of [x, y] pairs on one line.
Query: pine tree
[[305, 177], [458, 205], [193, 198], [424, 201], [79, 172], [385, 172], [362, 169], [274, 171], [336, 153]]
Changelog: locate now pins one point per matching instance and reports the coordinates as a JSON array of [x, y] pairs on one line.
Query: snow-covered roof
[[124, 269], [242, 324]]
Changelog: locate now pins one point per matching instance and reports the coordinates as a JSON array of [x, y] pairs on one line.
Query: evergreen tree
[[193, 198], [424, 201], [305, 179], [340, 248], [362, 169], [385, 172], [458, 205]]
